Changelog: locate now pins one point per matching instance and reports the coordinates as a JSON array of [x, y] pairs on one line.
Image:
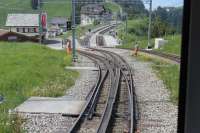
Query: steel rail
[[106, 116], [107, 29], [134, 110], [88, 110], [107, 113], [132, 97], [86, 40], [100, 80], [172, 57], [94, 101], [168, 56]]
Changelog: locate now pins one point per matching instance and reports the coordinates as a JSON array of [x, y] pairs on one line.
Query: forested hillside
[[52, 7], [171, 15], [132, 7]]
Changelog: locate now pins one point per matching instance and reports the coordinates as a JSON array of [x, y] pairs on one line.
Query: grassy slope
[[130, 39], [58, 9], [24, 6], [173, 46], [169, 73], [27, 69], [113, 7]]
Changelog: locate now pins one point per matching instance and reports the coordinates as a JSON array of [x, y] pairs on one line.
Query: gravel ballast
[[157, 113], [56, 123]]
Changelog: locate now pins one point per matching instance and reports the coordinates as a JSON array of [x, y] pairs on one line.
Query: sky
[[164, 3]]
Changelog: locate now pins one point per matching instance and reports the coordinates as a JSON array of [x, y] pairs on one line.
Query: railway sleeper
[[96, 114], [124, 68], [122, 102], [123, 115]]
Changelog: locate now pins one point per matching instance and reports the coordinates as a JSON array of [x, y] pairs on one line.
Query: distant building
[[28, 24], [107, 16], [14, 36], [90, 13], [60, 22], [54, 31]]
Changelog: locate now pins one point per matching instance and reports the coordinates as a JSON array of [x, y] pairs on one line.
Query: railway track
[[172, 57], [111, 104], [85, 121], [100, 30], [168, 56], [127, 79]]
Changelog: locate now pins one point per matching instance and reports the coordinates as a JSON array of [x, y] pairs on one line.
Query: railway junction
[[115, 93]]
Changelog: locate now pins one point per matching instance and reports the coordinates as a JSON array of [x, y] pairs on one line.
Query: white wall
[[86, 20], [14, 29]]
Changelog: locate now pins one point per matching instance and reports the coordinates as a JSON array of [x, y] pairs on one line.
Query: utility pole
[[40, 25], [74, 30], [149, 29], [126, 25]]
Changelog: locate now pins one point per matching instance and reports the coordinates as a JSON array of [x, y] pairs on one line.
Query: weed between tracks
[[167, 72], [27, 69]]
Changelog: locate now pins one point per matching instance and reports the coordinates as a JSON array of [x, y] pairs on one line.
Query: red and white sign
[[44, 20]]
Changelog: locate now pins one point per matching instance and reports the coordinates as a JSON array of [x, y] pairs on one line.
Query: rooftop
[[58, 20], [22, 20], [92, 9]]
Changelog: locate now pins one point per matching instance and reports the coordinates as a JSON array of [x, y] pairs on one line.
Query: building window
[[20, 30], [31, 30], [26, 30], [23, 30], [17, 29], [36, 30]]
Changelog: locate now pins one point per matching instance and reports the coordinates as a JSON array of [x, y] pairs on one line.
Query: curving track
[[171, 57], [111, 106]]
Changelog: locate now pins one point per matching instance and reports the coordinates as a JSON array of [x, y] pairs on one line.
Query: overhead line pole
[[126, 25], [74, 29], [149, 29], [40, 26]]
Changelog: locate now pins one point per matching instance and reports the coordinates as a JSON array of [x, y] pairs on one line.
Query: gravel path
[[110, 41], [85, 82], [56, 123], [157, 113]]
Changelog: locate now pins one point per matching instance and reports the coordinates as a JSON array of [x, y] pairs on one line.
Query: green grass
[[113, 7], [130, 40], [80, 31], [57, 9], [27, 69], [135, 28], [173, 46], [134, 34], [167, 72]]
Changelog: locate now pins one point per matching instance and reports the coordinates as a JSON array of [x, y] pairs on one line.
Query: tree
[[171, 16], [132, 8], [159, 27]]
